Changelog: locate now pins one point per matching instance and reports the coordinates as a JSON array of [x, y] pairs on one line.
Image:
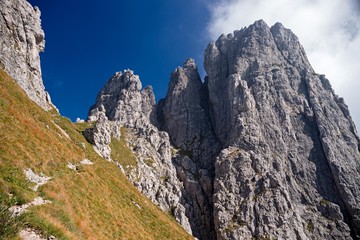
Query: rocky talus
[[261, 149], [22, 39]]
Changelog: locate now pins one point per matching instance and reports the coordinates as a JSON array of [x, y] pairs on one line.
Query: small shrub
[[150, 162], [165, 178], [310, 226], [325, 202]]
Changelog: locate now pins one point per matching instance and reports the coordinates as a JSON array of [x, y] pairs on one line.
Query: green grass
[[121, 153], [150, 162], [94, 203], [310, 226], [9, 225]]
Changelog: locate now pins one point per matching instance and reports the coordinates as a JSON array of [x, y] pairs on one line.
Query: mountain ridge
[[262, 148], [264, 107]]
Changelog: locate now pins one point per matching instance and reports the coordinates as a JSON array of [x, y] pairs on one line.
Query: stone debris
[[18, 210], [75, 167], [39, 180], [61, 130], [137, 205], [120, 167], [86, 162], [72, 166], [31, 234]]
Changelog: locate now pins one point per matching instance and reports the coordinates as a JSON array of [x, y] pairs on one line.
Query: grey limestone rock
[[101, 136], [22, 39], [126, 105], [185, 116], [262, 149], [290, 164]]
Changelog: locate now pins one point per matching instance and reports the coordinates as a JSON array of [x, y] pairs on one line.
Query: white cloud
[[328, 30]]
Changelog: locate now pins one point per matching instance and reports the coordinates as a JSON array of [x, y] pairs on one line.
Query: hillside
[[261, 148], [91, 202]]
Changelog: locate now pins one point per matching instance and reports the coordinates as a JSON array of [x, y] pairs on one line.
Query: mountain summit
[[263, 148]]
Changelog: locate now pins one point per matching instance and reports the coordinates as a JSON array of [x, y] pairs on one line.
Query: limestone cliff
[[123, 104], [22, 38], [290, 164], [185, 116], [261, 149]]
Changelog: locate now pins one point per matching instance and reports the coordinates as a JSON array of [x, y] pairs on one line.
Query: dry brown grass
[[93, 203]]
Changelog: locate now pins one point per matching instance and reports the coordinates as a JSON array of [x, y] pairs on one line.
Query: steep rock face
[[21, 41], [185, 117], [263, 148], [100, 135], [126, 105], [290, 164], [185, 112]]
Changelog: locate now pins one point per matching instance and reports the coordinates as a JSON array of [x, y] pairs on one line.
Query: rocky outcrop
[[290, 164], [123, 104], [100, 135], [185, 116], [262, 149], [22, 39]]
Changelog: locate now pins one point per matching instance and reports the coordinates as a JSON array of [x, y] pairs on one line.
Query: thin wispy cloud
[[328, 30]]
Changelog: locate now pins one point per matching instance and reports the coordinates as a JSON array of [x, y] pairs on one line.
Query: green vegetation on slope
[[95, 202], [121, 153]]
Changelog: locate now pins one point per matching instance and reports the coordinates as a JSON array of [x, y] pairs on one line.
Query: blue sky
[[88, 41]]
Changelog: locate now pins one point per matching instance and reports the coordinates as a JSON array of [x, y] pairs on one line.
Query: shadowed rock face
[[262, 149], [290, 164], [185, 116], [21, 41]]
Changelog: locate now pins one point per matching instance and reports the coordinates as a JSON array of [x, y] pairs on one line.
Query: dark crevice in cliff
[[317, 137]]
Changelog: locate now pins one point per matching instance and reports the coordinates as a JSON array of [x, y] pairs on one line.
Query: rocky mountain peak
[[22, 39], [190, 63], [263, 148], [122, 100], [271, 112]]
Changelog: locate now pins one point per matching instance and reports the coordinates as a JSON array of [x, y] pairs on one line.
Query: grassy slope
[[97, 202]]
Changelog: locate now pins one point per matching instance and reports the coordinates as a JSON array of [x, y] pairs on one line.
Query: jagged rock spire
[[263, 148]]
